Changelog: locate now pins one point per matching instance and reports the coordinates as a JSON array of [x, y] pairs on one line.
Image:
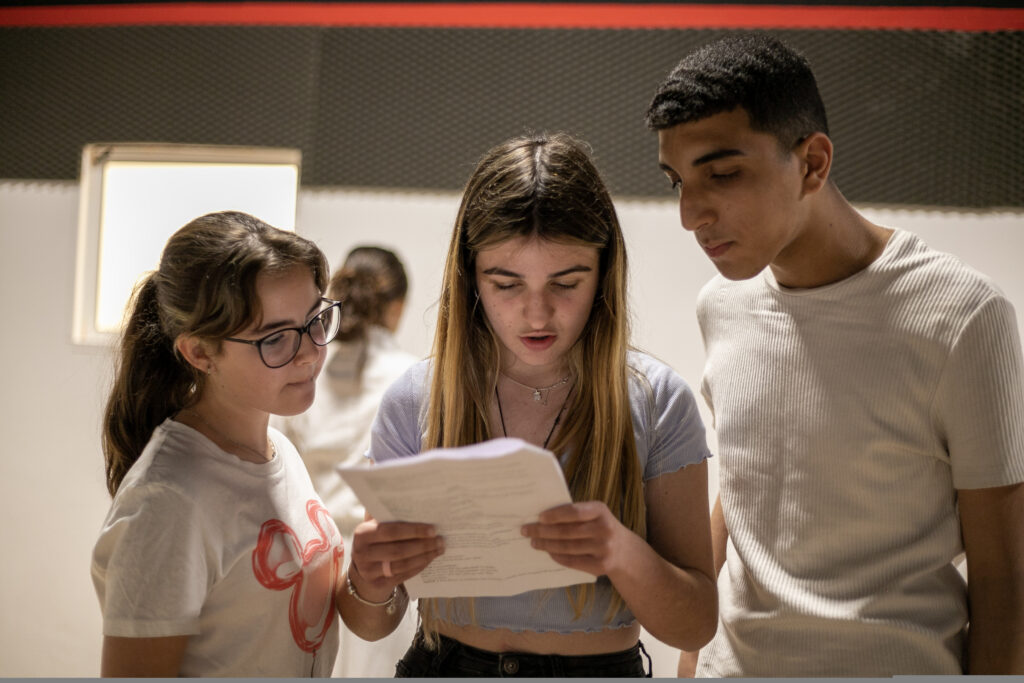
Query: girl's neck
[[239, 432]]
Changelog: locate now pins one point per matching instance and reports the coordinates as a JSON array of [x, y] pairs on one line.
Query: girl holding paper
[[532, 341], [217, 557]]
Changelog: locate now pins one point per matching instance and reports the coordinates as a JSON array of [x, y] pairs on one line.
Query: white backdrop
[[52, 490]]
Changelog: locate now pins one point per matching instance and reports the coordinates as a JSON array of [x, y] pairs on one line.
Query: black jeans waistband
[[453, 659]]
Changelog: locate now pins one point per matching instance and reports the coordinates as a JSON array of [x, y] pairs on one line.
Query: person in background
[[217, 557], [867, 393], [532, 341], [361, 364]]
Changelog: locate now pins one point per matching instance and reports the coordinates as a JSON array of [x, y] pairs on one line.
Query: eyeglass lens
[[324, 327], [279, 349]]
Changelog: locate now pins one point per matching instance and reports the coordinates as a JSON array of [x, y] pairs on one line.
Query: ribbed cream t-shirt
[[847, 417]]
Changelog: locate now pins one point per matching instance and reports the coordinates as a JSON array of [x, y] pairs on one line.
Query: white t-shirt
[[242, 557], [847, 416]]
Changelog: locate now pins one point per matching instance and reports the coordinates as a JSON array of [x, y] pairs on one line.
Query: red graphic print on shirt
[[280, 562]]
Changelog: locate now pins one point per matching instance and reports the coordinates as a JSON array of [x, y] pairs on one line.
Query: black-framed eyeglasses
[[279, 348]]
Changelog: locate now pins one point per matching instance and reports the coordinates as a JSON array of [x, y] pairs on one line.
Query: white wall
[[51, 475]]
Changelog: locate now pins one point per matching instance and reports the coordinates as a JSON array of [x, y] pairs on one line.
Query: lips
[[538, 342], [716, 249], [304, 382]]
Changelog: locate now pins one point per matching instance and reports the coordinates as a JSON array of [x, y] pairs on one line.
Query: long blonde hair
[[544, 186]]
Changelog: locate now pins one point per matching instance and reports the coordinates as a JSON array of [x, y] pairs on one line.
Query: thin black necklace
[[554, 424]]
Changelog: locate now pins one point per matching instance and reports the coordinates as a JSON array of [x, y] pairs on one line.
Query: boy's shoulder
[[917, 270]]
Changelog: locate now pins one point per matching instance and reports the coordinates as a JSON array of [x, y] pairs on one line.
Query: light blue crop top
[[669, 436]]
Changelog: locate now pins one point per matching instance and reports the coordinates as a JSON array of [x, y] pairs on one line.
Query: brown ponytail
[[370, 279]]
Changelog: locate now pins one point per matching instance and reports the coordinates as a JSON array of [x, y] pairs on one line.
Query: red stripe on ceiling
[[520, 15]]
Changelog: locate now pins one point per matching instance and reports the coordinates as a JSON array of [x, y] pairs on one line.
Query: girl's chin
[[520, 354], [298, 402]]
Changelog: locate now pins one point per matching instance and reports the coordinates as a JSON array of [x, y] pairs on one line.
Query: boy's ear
[[195, 352], [815, 153]]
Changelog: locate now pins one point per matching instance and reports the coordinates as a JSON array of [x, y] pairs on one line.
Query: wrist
[[388, 604]]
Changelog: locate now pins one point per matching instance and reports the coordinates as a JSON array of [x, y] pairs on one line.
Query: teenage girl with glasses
[[532, 342], [217, 557]]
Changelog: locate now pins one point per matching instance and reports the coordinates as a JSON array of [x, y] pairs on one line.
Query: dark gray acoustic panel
[[918, 117], [62, 88]]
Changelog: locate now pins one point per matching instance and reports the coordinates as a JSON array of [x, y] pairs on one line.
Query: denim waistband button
[[510, 665]]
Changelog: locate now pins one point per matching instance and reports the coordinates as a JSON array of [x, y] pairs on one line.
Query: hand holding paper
[[478, 497], [583, 536], [386, 555]]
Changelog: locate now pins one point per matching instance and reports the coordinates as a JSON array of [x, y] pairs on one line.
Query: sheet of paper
[[478, 497]]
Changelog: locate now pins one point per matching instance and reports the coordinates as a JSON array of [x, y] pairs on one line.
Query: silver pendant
[[536, 395]]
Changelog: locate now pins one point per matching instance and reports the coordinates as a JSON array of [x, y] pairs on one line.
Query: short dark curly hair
[[755, 72]]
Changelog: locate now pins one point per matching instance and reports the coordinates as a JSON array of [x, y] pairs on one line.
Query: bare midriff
[[545, 643]]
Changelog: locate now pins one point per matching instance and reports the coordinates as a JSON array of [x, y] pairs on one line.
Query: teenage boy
[[867, 394]]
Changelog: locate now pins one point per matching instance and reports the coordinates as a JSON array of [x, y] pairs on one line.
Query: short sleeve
[[149, 566], [672, 429], [979, 404], [396, 431]]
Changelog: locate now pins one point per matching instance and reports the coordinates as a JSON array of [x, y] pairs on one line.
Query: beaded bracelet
[[388, 605]]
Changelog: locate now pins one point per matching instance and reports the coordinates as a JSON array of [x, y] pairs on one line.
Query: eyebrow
[[716, 155], [707, 158], [266, 327], [562, 273]]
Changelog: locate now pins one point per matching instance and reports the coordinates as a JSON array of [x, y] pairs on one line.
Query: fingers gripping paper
[[478, 497]]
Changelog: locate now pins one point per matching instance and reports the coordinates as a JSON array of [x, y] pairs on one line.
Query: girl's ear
[[815, 153], [195, 351]]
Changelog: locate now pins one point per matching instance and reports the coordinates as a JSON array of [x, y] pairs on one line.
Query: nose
[[537, 309], [308, 351], [694, 211]]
